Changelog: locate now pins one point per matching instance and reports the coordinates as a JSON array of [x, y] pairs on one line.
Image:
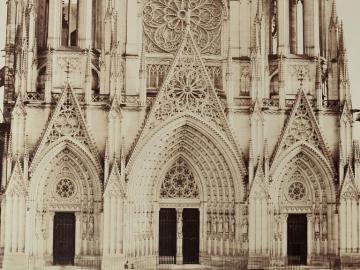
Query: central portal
[[64, 239], [297, 239], [191, 233]]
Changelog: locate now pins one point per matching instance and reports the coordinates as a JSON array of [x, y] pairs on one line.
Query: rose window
[[179, 182], [65, 188], [297, 191], [165, 22]]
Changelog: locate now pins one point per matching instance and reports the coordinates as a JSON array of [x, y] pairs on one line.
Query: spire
[[342, 47], [334, 17]]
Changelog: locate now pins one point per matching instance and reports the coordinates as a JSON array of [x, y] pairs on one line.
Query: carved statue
[[220, 224], [317, 224], [91, 228], [84, 226], [214, 223], [226, 224], [324, 225]]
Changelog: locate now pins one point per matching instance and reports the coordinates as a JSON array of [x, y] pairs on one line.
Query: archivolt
[[212, 158], [303, 159], [65, 159]]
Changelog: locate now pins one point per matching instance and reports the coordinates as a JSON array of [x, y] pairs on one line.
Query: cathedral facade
[[207, 132]]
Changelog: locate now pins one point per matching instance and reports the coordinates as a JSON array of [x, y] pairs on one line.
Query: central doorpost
[[179, 235]]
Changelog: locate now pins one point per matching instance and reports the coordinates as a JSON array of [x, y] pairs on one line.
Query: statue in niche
[[226, 224], [245, 228], [220, 224], [84, 226], [278, 228], [324, 226], [214, 224], [91, 227], [317, 224], [232, 229], [208, 223]]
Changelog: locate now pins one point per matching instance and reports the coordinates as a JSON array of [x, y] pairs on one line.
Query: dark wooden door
[[297, 239], [191, 236], [64, 239], [167, 235]]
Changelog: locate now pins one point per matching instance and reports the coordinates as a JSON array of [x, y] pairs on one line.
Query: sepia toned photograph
[[179, 134]]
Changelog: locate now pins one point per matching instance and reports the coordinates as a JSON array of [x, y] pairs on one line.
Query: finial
[[67, 71]]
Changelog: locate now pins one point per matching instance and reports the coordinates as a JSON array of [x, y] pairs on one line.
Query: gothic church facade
[[207, 132]]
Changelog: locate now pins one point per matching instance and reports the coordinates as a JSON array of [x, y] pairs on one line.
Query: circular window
[[65, 188], [297, 191]]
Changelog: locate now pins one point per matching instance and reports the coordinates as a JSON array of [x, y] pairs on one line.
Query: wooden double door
[[190, 232]]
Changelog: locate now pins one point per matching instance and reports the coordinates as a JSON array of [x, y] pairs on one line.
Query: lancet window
[[69, 23]]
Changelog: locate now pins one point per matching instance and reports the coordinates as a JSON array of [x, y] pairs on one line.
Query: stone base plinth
[[18, 261]]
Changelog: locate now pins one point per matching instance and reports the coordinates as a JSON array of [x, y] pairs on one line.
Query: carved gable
[[302, 127], [68, 121], [346, 115], [259, 187], [16, 185], [187, 89], [114, 185], [348, 188]]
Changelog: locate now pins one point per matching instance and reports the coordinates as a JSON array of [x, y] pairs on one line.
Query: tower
[[181, 132]]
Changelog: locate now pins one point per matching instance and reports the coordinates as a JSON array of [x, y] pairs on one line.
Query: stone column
[[179, 238], [310, 234], [106, 226], [77, 233], [8, 225], [342, 223], [119, 223], [2, 228], [55, 22], [15, 224], [85, 23], [283, 24], [311, 27], [264, 225], [21, 225], [348, 225], [284, 231], [50, 233]]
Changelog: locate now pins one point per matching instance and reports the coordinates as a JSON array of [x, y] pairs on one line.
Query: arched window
[[245, 83], [70, 23], [95, 87], [274, 86], [40, 84]]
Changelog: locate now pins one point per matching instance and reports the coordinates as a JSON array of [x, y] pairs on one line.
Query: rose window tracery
[[179, 182], [165, 23], [297, 191], [65, 188]]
